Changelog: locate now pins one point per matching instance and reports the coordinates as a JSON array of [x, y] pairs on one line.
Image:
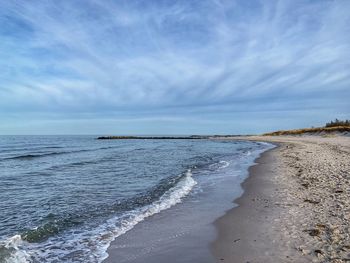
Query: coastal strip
[[193, 137], [296, 205]]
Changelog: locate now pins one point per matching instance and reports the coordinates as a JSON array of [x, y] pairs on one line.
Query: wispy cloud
[[150, 58]]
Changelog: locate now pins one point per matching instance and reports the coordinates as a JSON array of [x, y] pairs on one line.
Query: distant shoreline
[[152, 137], [190, 137]]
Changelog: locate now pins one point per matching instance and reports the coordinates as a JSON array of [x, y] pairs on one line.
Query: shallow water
[[65, 198]]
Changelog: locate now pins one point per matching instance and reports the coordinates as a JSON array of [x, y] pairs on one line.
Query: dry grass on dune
[[318, 130]]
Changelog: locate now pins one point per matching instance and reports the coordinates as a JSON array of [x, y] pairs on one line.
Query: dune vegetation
[[333, 127]]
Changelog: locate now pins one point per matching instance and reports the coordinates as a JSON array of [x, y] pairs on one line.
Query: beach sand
[[296, 205]]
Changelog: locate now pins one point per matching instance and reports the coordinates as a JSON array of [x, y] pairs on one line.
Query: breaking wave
[[92, 243]]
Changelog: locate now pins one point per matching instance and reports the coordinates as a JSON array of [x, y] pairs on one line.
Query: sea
[[66, 198]]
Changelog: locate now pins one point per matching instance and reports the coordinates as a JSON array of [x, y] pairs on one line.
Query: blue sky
[[172, 67]]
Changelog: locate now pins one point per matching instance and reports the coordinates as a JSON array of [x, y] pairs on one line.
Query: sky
[[172, 67]]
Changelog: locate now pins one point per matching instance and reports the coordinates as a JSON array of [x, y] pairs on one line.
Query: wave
[[219, 165], [224, 164], [11, 251], [35, 243], [44, 154], [39, 155], [31, 156], [12, 149], [55, 224], [170, 198]]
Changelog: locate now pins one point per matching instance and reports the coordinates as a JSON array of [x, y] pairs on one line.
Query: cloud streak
[[174, 57]]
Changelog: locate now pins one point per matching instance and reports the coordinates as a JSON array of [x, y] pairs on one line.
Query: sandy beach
[[296, 205]]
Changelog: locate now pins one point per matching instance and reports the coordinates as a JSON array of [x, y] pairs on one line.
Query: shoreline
[[295, 206], [175, 226], [243, 230]]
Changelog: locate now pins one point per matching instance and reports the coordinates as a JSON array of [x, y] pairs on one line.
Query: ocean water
[[65, 198]]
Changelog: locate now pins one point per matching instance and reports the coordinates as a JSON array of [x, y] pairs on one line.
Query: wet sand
[[296, 205]]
